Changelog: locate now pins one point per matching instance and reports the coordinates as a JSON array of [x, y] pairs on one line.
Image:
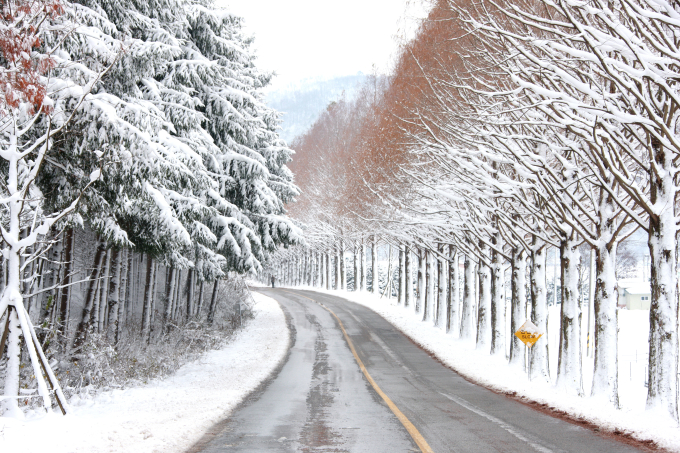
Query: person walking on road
[[273, 279]]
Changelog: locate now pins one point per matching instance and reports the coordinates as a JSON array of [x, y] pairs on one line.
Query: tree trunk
[[468, 299], [338, 260], [429, 288], [138, 285], [402, 273], [50, 281], [35, 305], [356, 269], [319, 268], [420, 300], [170, 295], [96, 308], [305, 268], [375, 278], [26, 272], [343, 270], [517, 305], [85, 320], [310, 268], [484, 306], [34, 273], [148, 295], [328, 271], [442, 305], [10, 406], [100, 306], [662, 393], [299, 271], [153, 297], [190, 294], [302, 263], [569, 362], [178, 295], [114, 293], [605, 373], [538, 354], [66, 291], [452, 305], [454, 293], [387, 291], [199, 307], [408, 277], [213, 302], [497, 302], [123, 294], [129, 297], [362, 263]]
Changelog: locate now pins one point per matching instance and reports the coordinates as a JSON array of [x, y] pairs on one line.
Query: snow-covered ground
[[494, 372], [166, 415]]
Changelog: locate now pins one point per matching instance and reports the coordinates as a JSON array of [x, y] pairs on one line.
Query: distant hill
[[302, 104]]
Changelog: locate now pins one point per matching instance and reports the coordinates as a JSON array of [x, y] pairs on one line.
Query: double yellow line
[[412, 430]]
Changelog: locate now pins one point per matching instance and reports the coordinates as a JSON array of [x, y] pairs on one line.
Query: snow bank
[[495, 372], [166, 415]]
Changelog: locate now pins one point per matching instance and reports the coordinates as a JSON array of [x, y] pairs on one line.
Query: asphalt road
[[320, 400]]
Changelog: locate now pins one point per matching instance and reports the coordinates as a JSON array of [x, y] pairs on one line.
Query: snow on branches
[[21, 24]]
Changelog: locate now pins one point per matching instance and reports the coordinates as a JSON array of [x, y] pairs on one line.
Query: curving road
[[320, 400]]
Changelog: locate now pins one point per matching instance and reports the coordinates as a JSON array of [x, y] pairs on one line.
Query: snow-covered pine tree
[[145, 194], [169, 189], [252, 161]]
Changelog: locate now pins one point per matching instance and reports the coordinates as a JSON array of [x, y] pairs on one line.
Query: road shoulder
[[168, 415]]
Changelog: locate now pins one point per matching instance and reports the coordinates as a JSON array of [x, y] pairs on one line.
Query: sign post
[[529, 335]]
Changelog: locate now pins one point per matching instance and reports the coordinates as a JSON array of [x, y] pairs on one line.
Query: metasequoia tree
[[620, 99], [547, 124]]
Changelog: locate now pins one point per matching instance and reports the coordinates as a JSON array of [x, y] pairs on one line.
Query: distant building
[[634, 294]]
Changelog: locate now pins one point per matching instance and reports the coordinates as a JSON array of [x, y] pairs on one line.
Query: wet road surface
[[319, 400]]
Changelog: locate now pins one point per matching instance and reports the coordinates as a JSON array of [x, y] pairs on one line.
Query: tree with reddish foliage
[[507, 128], [21, 77]]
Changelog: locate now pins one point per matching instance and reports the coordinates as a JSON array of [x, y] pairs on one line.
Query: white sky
[[301, 39]]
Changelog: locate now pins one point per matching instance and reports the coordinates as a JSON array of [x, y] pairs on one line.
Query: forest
[[508, 131], [141, 176]]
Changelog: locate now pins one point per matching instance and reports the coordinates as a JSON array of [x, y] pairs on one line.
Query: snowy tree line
[[509, 129], [133, 133]]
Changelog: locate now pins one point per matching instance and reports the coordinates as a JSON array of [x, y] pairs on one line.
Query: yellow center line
[[412, 430]]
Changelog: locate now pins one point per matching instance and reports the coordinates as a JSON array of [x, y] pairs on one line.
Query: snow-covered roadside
[[494, 372], [166, 415]]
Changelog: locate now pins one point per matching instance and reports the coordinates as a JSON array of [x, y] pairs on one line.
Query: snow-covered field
[[494, 372], [166, 415]]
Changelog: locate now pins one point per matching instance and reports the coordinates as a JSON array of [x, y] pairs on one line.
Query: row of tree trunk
[[124, 290]]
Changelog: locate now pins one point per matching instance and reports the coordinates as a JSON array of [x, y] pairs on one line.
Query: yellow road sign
[[529, 333]]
